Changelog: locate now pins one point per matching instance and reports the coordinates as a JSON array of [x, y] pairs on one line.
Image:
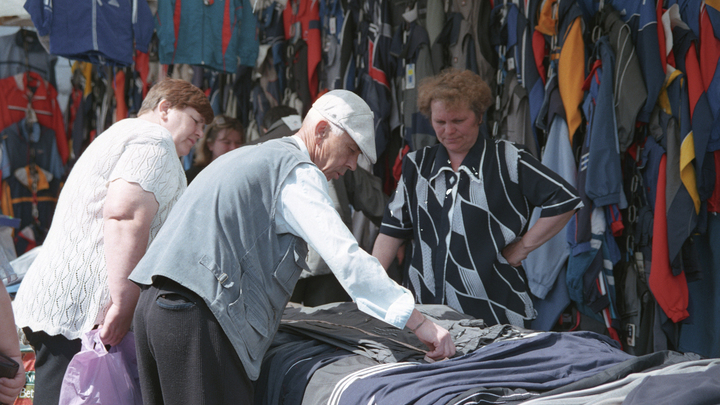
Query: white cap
[[352, 114]]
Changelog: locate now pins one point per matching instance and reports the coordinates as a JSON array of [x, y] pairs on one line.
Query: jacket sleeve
[[40, 14], [143, 25]]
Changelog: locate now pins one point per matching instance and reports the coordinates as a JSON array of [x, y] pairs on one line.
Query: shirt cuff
[[397, 314], [571, 205], [395, 232]]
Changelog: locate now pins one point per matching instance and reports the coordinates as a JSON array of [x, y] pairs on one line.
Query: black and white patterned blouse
[[460, 221]]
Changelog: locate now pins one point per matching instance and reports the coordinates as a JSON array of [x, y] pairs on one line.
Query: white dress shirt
[[304, 209]]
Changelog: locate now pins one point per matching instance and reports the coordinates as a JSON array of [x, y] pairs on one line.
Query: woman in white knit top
[[112, 205]]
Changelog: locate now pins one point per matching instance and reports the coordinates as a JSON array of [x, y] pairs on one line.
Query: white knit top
[[65, 290]]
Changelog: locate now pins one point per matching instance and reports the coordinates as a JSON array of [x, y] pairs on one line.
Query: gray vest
[[220, 241]]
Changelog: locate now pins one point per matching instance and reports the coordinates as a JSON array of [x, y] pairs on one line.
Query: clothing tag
[[296, 31], [293, 122], [333, 25], [630, 340], [640, 264], [409, 76], [511, 64]]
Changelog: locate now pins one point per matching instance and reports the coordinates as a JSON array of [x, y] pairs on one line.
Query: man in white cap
[[220, 272]]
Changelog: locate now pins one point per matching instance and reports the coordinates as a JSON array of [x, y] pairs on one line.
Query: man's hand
[[11, 387], [437, 339], [434, 336]]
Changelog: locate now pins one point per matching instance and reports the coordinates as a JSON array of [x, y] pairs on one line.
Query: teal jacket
[[217, 35]]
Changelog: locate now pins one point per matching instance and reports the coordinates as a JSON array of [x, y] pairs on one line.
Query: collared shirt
[[304, 209], [460, 222]]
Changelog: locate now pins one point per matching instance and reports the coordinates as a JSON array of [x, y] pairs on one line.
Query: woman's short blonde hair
[[454, 88]]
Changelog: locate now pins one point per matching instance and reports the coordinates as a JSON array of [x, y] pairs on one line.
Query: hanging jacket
[[604, 177], [411, 47], [469, 46], [16, 92], [271, 33], [586, 227], [534, 74], [670, 126], [514, 121], [429, 14], [670, 291], [530, 76], [94, 31], [464, 41], [681, 94], [332, 16], [375, 66], [517, 76], [590, 270], [570, 60], [641, 17], [677, 137], [349, 52], [629, 89], [215, 35], [21, 52], [268, 79], [298, 87], [26, 147], [301, 19], [689, 12], [544, 264], [700, 114]]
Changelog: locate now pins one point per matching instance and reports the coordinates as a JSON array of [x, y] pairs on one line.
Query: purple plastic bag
[[98, 376]]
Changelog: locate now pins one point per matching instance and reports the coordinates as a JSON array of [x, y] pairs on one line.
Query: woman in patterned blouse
[[465, 204]]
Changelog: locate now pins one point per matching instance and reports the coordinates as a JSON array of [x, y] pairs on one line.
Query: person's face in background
[[227, 139]]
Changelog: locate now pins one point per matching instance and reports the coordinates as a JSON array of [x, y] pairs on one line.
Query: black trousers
[[52, 356], [184, 357]]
